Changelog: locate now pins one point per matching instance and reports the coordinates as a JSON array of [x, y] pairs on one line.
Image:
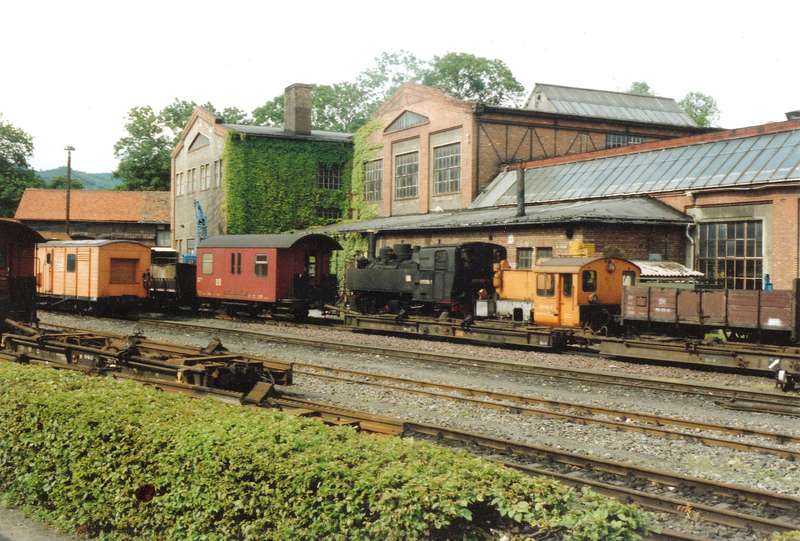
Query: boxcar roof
[[569, 264], [89, 243], [283, 240]]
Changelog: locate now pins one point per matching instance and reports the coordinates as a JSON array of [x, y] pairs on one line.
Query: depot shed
[[92, 270]]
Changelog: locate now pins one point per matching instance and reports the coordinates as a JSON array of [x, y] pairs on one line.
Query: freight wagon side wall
[[227, 280], [58, 277], [121, 269]]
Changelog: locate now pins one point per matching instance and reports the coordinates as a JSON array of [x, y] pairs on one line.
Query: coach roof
[[283, 240]]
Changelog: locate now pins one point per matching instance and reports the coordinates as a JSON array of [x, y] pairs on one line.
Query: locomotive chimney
[[372, 241], [520, 192]]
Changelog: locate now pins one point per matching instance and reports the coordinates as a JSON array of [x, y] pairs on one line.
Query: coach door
[[567, 308]]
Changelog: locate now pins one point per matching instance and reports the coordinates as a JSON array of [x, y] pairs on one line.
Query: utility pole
[[69, 149]]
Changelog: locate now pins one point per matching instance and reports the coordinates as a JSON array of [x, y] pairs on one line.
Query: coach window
[[589, 281], [261, 264], [70, 262], [545, 285], [566, 285], [628, 278], [208, 263], [311, 265]]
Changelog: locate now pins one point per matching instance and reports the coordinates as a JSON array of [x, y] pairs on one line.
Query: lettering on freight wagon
[[774, 322]]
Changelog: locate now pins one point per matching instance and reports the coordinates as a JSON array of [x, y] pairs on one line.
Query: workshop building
[[435, 152]]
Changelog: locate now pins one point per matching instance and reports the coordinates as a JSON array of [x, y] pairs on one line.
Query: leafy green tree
[[144, 153], [702, 108], [269, 114], [471, 77], [175, 116], [16, 148], [641, 88], [60, 183], [234, 115], [389, 72]]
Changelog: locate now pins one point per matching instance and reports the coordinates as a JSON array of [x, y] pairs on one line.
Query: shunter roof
[[605, 104], [282, 240], [568, 264], [760, 155], [635, 210]]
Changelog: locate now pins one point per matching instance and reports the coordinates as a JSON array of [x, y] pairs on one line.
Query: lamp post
[[69, 149]]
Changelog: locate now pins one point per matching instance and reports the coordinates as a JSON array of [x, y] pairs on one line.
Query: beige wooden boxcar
[[99, 274]]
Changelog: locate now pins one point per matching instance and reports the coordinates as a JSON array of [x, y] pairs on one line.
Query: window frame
[[329, 176], [207, 260], [71, 263], [731, 253], [261, 264], [446, 166], [406, 187], [543, 289], [537, 256], [588, 286], [373, 187], [528, 259]]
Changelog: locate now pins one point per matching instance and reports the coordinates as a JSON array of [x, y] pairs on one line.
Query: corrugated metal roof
[[742, 161], [619, 210], [605, 104], [666, 269], [283, 240], [272, 131]]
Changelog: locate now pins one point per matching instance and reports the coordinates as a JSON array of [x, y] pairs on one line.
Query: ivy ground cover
[[117, 460]]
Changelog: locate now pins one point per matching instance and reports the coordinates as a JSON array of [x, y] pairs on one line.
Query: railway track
[[730, 396], [658, 491]]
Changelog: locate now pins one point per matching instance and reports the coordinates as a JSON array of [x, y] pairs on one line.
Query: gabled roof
[[638, 210], [89, 243], [587, 102], [94, 206], [759, 155]]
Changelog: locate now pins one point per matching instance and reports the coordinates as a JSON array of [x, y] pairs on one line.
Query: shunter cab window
[[261, 264], [70, 262], [566, 285], [628, 278], [236, 263], [545, 284], [208, 263], [589, 281]]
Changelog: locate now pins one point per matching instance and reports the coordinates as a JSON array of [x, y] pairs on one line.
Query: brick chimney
[[297, 109]]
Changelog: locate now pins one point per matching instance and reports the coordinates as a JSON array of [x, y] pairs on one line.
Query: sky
[[71, 70]]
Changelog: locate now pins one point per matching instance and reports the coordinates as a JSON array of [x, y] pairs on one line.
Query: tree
[[60, 183], [471, 77], [144, 153], [702, 108], [269, 114], [641, 88], [16, 148], [234, 115]]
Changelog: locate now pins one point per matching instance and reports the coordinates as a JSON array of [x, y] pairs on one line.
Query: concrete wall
[[212, 198]]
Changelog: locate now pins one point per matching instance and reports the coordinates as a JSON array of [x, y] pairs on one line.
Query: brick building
[[200, 174], [438, 153], [98, 214]]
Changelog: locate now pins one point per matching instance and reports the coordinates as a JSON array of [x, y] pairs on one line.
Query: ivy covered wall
[[271, 184]]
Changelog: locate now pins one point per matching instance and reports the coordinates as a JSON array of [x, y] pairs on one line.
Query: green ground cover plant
[[117, 460]]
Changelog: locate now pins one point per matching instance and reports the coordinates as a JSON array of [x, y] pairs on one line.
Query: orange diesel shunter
[[575, 292], [101, 275]]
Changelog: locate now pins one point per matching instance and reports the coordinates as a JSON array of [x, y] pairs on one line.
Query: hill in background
[[91, 181]]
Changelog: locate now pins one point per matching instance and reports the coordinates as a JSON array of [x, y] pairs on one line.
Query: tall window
[[373, 179], [406, 175], [731, 253], [218, 173], [208, 263], [329, 177], [206, 176], [447, 169], [261, 264], [524, 258]]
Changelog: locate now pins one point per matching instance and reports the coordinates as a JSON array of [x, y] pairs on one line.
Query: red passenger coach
[[281, 275], [17, 278]]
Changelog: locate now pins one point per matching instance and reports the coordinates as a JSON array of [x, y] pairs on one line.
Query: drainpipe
[[690, 253], [520, 192]]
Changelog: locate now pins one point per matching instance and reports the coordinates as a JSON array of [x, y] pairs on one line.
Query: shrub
[[118, 460]]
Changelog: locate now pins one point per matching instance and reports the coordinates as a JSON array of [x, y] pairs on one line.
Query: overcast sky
[[71, 69]]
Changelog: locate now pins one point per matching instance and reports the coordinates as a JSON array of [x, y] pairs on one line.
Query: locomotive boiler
[[424, 279]]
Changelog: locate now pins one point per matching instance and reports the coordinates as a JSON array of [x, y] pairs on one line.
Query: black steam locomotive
[[423, 280]]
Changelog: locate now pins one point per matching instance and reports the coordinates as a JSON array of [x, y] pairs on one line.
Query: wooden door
[[568, 316]]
